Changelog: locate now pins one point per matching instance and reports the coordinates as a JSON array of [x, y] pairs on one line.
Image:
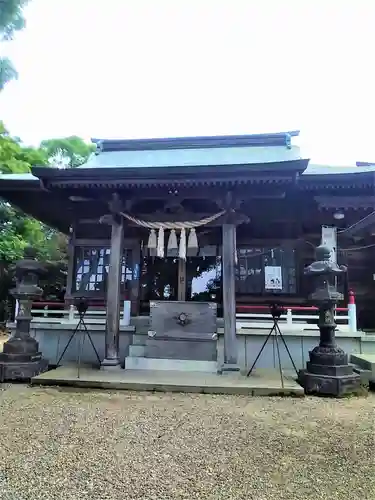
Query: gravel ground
[[57, 444]]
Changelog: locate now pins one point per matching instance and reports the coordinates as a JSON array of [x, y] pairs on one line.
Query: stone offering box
[[183, 320]]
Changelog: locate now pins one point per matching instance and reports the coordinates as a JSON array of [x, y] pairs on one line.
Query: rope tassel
[[182, 252], [192, 243], [160, 250], [151, 245], [172, 248]]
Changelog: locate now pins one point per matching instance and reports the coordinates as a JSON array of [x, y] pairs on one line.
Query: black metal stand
[[81, 326], [275, 330]]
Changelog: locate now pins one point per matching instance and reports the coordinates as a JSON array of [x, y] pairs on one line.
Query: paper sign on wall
[[273, 278]]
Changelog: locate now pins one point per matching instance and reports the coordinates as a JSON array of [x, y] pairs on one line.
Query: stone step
[[142, 325], [140, 363], [139, 339], [366, 376], [136, 351], [364, 361]]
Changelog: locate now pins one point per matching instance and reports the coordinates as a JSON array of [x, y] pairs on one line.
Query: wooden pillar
[[229, 299], [181, 293], [112, 332]]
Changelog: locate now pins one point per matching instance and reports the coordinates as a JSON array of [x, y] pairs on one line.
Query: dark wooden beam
[[360, 227], [345, 202], [115, 204]]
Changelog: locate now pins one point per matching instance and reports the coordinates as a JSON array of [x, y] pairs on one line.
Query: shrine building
[[193, 232]]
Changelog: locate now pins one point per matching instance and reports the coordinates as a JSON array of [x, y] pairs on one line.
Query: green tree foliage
[[15, 158], [67, 152], [11, 21], [7, 71], [18, 231]]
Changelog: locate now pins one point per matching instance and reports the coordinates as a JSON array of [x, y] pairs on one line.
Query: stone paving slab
[[261, 383]]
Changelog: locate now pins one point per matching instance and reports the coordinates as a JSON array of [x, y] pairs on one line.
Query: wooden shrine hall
[[194, 228]]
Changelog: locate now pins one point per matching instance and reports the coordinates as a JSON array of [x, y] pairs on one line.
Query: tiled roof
[[239, 151], [192, 157]]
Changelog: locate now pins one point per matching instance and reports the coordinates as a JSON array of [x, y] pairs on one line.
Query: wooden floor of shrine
[[260, 383]]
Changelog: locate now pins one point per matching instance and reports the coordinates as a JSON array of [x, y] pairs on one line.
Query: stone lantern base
[[20, 360], [329, 373]]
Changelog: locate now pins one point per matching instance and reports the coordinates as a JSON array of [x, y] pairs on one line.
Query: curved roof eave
[[198, 173], [322, 170], [19, 181], [19, 177], [312, 173]]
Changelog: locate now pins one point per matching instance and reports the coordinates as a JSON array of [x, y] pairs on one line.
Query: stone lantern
[[21, 359], [328, 371]]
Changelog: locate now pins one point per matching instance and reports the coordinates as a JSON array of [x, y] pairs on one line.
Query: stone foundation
[[22, 371], [332, 385]]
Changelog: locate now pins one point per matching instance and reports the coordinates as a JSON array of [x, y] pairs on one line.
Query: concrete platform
[[261, 383]]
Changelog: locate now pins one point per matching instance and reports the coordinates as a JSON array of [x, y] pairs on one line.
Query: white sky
[[146, 68]]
